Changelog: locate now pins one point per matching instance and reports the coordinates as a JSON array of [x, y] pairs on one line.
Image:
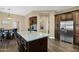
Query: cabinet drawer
[[76, 16]]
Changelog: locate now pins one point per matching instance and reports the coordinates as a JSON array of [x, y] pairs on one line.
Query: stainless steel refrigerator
[[67, 31]]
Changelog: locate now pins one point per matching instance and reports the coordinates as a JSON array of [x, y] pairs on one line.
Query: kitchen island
[[33, 41]]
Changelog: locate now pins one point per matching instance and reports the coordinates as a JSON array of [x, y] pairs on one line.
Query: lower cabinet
[[57, 34], [77, 39], [39, 45]]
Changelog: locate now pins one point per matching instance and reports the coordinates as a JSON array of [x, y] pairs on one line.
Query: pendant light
[[9, 14]]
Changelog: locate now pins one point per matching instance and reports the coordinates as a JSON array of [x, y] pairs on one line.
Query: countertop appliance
[[67, 31]]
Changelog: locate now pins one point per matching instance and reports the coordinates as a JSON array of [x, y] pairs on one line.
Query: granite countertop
[[29, 36]]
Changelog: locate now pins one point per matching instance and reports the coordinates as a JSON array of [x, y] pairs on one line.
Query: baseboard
[[51, 37]]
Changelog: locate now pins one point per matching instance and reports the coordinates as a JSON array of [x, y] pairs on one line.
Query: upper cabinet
[[66, 16], [69, 16], [57, 21], [76, 17], [57, 18], [33, 23], [33, 20], [62, 17]]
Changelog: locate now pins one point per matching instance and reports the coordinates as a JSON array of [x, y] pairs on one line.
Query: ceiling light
[[9, 18], [9, 14]]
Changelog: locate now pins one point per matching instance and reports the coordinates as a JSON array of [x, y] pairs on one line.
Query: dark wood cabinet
[[57, 27], [39, 45], [73, 15], [76, 19], [33, 20], [76, 39], [62, 17], [33, 23], [69, 16], [57, 34], [66, 16]]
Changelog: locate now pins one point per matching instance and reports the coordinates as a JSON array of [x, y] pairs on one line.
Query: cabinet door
[[77, 29], [77, 39], [39, 45], [76, 18], [57, 22], [33, 20], [63, 17], [57, 34], [57, 19], [57, 26], [69, 16]]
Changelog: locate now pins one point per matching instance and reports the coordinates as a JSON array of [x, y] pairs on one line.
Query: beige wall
[[45, 18], [16, 18], [52, 24], [43, 21]]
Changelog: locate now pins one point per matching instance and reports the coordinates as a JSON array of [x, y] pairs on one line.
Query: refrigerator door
[[69, 25], [68, 36], [66, 31], [62, 30]]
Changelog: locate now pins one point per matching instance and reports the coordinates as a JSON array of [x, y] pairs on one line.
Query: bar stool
[[11, 34], [15, 32], [1, 32], [0, 35], [5, 35]]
